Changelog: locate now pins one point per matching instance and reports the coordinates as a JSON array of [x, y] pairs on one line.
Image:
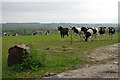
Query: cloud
[[82, 11]]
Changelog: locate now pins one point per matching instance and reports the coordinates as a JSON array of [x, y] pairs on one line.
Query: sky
[[60, 11]]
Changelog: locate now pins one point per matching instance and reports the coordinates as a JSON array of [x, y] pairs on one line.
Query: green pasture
[[55, 62]]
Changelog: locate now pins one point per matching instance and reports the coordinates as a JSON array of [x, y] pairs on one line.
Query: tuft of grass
[[88, 53]]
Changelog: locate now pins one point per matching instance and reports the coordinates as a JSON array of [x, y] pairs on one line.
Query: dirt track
[[108, 70]]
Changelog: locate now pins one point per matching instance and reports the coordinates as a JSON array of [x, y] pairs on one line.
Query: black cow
[[102, 32], [111, 32], [63, 31]]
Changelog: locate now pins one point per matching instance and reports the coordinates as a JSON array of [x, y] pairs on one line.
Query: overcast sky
[[62, 11]]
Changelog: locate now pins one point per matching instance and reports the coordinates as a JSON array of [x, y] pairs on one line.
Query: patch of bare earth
[[61, 49], [108, 70], [104, 52]]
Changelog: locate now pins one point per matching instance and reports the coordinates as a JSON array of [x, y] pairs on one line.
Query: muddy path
[[109, 54]]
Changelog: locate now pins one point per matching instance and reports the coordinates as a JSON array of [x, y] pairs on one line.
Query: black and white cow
[[77, 32], [84, 29], [90, 32], [5, 34], [63, 31], [35, 33], [15, 34], [102, 32], [95, 33], [10, 34], [111, 32], [47, 32]]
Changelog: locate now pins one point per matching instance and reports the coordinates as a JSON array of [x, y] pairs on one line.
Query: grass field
[[55, 62]]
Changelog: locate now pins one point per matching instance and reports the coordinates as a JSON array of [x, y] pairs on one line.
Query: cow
[[90, 32], [15, 34], [95, 32], [84, 29], [111, 32], [102, 32], [5, 34], [35, 33], [10, 34], [47, 32], [63, 31], [77, 31]]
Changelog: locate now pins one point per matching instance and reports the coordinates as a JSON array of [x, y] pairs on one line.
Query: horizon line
[[61, 22]]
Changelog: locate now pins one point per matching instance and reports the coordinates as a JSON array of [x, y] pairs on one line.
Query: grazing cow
[[95, 32], [35, 33], [16, 34], [5, 34], [63, 31], [10, 34], [90, 32], [77, 31], [47, 32], [102, 32], [111, 32]]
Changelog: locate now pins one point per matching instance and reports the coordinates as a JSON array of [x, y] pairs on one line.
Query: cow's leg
[[92, 38], [67, 37], [112, 36], [95, 37], [86, 39], [98, 36], [63, 37], [89, 38], [77, 37], [101, 36], [80, 37]]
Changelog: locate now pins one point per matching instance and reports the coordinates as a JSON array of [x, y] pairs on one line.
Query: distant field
[[72, 56]]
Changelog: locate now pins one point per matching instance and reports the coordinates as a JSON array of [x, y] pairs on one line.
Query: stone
[[17, 53], [49, 74]]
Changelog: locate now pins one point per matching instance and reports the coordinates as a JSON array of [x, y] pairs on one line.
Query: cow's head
[[102, 28], [73, 28], [59, 28], [110, 28]]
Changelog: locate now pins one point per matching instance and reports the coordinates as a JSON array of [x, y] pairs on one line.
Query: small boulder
[[17, 53]]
